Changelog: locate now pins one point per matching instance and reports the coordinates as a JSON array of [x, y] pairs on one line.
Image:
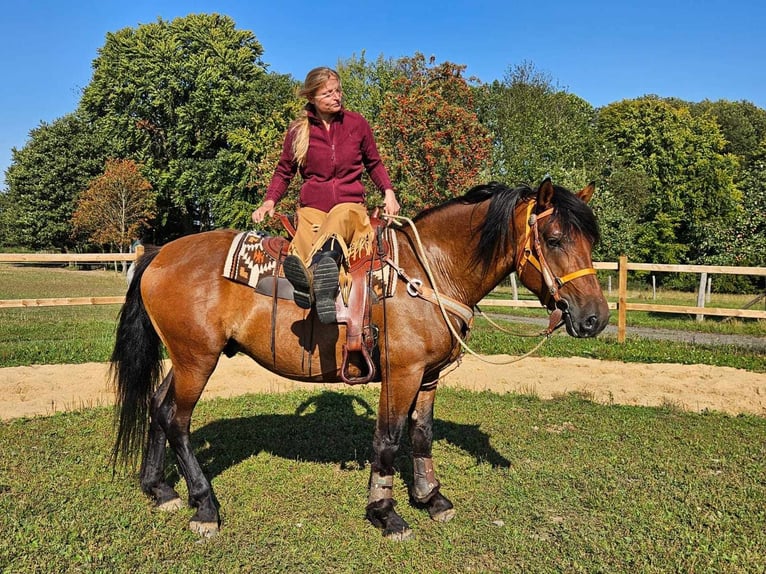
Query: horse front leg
[[395, 403], [425, 491]]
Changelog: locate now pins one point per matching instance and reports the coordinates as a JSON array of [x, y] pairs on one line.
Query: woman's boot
[[326, 268], [300, 278]]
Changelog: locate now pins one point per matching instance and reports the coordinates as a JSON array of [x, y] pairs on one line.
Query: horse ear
[[587, 192], [545, 193]]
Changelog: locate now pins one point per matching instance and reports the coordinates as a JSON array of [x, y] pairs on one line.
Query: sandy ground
[[45, 389]]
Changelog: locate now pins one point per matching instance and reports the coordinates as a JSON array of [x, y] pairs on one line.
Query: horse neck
[[450, 243]]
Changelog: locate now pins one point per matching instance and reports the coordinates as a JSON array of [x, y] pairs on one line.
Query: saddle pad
[[247, 260]]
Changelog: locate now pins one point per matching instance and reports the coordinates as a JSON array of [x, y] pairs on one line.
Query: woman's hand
[[390, 204], [266, 208]]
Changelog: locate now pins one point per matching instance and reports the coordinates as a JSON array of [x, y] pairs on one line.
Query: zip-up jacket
[[335, 162]]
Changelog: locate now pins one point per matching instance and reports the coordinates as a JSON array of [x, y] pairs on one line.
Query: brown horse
[[179, 299]]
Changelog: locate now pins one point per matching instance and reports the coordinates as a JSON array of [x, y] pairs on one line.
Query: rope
[[421, 253], [503, 329]]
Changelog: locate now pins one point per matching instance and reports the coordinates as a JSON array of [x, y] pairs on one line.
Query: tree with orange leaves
[[430, 137], [116, 206]]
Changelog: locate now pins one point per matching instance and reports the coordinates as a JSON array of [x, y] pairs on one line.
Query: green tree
[[744, 241], [690, 181], [742, 124], [44, 179], [367, 83], [537, 129], [116, 207], [180, 97]]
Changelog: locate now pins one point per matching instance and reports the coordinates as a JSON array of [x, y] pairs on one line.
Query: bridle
[[532, 253]]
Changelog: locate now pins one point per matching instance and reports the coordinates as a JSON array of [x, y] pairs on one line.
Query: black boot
[[326, 267], [300, 278]]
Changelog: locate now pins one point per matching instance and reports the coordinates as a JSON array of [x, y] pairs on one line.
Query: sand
[[45, 389]]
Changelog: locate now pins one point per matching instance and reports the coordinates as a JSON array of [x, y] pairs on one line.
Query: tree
[[44, 178], [742, 124], [538, 129], [116, 206], [366, 84], [430, 138], [690, 181], [180, 97]]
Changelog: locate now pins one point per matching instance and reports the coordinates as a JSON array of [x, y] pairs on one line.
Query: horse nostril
[[590, 324]]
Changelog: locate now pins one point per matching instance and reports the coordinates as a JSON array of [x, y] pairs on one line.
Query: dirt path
[[44, 389]]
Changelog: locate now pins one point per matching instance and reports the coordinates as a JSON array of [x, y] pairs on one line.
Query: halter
[[532, 252]]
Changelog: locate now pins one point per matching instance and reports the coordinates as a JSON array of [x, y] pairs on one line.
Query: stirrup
[[326, 288], [300, 278]]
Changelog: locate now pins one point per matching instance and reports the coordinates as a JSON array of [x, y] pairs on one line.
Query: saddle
[[256, 259]]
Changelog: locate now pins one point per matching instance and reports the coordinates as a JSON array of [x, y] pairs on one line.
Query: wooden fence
[[623, 306]]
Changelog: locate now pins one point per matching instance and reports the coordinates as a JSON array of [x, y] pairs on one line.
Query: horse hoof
[[444, 516], [398, 536], [204, 529], [171, 505]]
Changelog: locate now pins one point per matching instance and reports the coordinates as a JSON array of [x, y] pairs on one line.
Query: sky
[[602, 51]]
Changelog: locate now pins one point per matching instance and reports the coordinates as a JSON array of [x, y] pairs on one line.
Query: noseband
[[532, 252]]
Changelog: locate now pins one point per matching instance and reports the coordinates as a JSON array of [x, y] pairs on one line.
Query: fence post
[[622, 298], [701, 295], [514, 287]]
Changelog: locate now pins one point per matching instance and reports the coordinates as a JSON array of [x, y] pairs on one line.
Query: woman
[[331, 147]]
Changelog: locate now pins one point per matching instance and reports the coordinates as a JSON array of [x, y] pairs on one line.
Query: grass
[[564, 485]]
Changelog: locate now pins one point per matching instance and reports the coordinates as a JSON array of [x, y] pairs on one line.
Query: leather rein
[[532, 253]]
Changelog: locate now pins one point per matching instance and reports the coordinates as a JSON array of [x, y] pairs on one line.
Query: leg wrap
[[381, 487], [424, 484]]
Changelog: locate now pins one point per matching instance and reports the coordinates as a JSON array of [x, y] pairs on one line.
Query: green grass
[[78, 334], [563, 485]]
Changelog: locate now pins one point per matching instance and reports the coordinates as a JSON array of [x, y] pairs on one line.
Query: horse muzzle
[[586, 321]]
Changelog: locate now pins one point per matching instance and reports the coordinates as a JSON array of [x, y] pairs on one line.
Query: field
[[564, 484]]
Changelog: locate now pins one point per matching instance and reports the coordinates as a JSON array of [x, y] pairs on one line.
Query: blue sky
[[602, 51]]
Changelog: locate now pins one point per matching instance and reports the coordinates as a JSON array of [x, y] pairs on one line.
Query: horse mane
[[493, 232]]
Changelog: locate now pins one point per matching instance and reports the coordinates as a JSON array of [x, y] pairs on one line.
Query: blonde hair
[[315, 80]]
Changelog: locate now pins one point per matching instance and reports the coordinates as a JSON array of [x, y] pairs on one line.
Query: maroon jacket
[[334, 164]]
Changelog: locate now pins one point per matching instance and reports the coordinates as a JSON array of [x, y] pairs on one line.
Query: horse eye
[[553, 242]]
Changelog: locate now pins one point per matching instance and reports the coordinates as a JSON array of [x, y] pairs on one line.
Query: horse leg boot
[[326, 268], [425, 489]]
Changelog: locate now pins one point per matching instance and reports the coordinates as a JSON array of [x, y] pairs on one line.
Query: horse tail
[[135, 369]]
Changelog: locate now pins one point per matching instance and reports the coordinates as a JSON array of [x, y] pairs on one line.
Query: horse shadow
[[329, 427]]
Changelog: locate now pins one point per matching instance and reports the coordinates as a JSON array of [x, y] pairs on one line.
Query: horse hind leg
[[425, 491], [173, 405], [153, 465]]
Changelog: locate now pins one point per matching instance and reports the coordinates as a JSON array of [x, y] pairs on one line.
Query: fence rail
[[623, 306]]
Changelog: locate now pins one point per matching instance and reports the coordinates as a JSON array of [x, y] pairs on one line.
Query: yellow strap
[[576, 274]]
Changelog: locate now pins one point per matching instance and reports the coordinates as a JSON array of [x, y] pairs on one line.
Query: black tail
[[136, 366]]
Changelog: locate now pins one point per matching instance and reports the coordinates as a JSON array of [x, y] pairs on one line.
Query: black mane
[[493, 231]]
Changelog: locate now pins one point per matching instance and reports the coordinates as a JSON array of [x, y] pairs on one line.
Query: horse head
[[557, 232]]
